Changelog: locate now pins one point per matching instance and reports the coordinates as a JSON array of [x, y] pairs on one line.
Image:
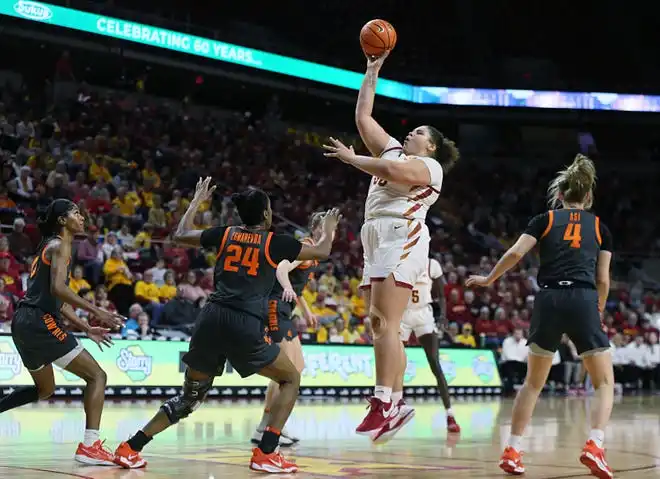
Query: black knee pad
[[182, 406]]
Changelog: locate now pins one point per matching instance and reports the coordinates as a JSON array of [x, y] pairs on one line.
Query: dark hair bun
[[238, 199]]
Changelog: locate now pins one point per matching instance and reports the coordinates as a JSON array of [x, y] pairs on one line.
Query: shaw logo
[[135, 363], [33, 10]]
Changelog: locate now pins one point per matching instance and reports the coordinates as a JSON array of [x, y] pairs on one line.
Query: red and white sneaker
[[452, 425], [403, 416], [96, 454], [594, 458], [127, 458], [377, 416], [273, 463], [511, 462]]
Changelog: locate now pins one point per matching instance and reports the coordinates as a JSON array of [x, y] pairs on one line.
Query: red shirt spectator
[[9, 276]]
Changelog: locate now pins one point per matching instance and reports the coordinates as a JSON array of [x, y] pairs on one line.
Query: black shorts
[[573, 311], [40, 340], [222, 334], [279, 323]]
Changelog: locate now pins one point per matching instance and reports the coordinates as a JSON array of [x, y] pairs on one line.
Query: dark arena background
[[121, 106]]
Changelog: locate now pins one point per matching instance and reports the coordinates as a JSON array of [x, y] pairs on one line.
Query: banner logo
[[135, 363], [33, 10], [484, 368], [448, 367], [10, 361]]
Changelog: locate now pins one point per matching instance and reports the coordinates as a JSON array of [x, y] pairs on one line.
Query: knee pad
[[182, 406], [378, 321]]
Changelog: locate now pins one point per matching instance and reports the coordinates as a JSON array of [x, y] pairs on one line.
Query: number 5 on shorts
[[572, 234], [249, 259]]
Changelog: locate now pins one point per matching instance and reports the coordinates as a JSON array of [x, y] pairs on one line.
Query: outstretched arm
[[511, 258], [373, 135], [185, 233]]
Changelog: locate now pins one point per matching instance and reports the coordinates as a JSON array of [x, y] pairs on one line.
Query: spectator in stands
[[9, 275], [147, 293], [78, 281], [157, 216], [110, 242], [168, 290], [23, 185], [513, 361], [466, 338], [143, 241], [653, 360], [178, 314], [570, 362], [324, 314], [6, 314], [334, 337], [366, 336], [637, 355], [20, 244], [190, 289], [90, 255], [126, 239], [119, 281]]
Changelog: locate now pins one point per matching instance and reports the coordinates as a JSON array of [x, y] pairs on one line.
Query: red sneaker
[[127, 458], [594, 458], [377, 417], [402, 417], [511, 462], [96, 454], [273, 463], [452, 426]]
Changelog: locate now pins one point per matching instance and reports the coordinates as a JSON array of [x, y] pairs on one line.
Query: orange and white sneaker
[[511, 462], [96, 454], [594, 458], [127, 458], [273, 463]]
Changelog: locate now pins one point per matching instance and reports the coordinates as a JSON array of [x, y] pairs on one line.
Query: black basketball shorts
[[40, 340], [573, 311], [279, 323], [222, 334]]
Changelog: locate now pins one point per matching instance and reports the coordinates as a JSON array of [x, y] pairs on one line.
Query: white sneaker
[[285, 441]]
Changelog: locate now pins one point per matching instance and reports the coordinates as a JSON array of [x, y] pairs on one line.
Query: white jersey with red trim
[[421, 294], [403, 201]]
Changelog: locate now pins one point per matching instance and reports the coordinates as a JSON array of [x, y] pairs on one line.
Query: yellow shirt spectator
[[322, 335], [151, 174], [148, 291], [167, 292], [358, 306], [309, 296], [98, 170], [143, 240], [147, 198], [466, 339], [350, 337], [78, 284], [126, 205], [114, 271]]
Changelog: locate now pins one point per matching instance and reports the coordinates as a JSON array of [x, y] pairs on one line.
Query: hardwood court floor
[[39, 441]]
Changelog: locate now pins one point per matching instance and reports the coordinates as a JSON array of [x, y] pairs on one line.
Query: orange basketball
[[376, 37]]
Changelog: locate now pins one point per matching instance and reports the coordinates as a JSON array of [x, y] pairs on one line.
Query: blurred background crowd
[[127, 140]]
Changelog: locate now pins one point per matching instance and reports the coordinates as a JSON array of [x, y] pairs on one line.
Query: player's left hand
[[289, 295], [476, 280], [339, 150], [203, 190], [100, 337]]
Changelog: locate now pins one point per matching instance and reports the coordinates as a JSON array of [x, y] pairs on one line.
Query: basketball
[[376, 37]]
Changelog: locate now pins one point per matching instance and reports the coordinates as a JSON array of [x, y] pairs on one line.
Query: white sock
[[597, 436], [91, 436], [397, 396], [264, 421], [383, 393], [450, 412], [514, 442]]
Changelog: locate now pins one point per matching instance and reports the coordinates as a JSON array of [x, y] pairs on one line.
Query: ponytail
[[574, 184]]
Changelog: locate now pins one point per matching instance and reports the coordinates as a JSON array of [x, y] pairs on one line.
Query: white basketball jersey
[[403, 201], [421, 295]]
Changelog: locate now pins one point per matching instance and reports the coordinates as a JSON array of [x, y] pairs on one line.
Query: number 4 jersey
[[246, 261], [569, 243]]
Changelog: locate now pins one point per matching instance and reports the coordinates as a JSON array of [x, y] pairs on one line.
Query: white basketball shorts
[[394, 246], [420, 321]]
